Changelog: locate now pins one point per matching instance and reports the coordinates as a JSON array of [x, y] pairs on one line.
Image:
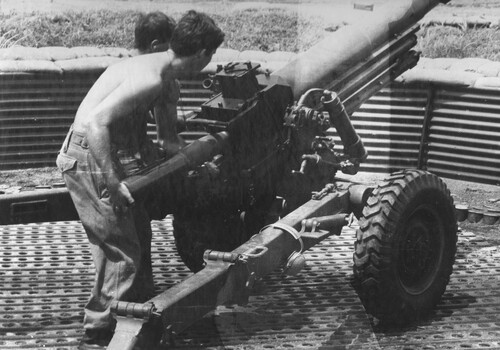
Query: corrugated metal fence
[[36, 110], [454, 132], [464, 134], [451, 131]]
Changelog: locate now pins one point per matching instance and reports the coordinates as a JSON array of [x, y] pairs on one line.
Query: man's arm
[[165, 112], [121, 102]]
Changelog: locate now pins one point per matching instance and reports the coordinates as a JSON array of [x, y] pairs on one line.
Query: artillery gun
[[260, 187]]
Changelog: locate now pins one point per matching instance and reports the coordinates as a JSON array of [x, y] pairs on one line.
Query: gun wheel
[[405, 247]]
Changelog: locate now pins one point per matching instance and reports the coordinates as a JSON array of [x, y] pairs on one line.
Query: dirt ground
[[475, 195]]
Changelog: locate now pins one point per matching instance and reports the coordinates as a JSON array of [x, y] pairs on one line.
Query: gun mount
[[260, 188]]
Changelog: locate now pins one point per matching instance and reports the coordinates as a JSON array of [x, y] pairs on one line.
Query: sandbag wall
[[443, 116]]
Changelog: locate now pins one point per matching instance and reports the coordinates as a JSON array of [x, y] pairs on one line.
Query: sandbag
[[265, 67], [15, 53], [438, 76], [87, 51], [468, 64], [118, 52], [272, 66], [487, 83], [29, 66], [489, 69], [253, 56], [57, 53], [86, 65], [225, 55], [436, 63], [281, 56]]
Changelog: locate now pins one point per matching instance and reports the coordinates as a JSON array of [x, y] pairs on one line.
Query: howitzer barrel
[[351, 45], [189, 157]]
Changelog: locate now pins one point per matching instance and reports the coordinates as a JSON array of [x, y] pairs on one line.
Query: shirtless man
[[109, 127], [152, 32]]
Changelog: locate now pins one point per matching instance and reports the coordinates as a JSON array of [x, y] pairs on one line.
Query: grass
[[453, 42], [90, 28], [252, 29], [474, 3], [9, 39], [266, 30]]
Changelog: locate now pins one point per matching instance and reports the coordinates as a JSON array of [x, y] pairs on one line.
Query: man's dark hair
[[153, 26], [195, 31]]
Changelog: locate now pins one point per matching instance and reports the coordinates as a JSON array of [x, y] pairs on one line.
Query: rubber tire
[[217, 231], [405, 247]]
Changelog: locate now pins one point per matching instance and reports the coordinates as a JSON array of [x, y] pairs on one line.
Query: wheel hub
[[420, 250]]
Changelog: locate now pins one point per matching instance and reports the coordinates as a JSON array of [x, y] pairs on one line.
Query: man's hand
[[171, 148], [120, 198]]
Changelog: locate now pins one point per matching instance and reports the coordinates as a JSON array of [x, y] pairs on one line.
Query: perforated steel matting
[[46, 276]]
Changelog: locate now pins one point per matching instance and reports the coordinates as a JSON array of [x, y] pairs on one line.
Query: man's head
[[196, 33], [153, 32]]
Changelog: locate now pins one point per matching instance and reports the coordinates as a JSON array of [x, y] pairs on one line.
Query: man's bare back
[[125, 89], [109, 114]]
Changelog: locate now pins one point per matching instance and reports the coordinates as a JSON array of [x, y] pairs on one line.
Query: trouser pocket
[[65, 163]]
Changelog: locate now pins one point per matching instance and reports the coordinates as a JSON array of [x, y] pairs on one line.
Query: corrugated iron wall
[[453, 132], [35, 112], [464, 135], [390, 125]]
